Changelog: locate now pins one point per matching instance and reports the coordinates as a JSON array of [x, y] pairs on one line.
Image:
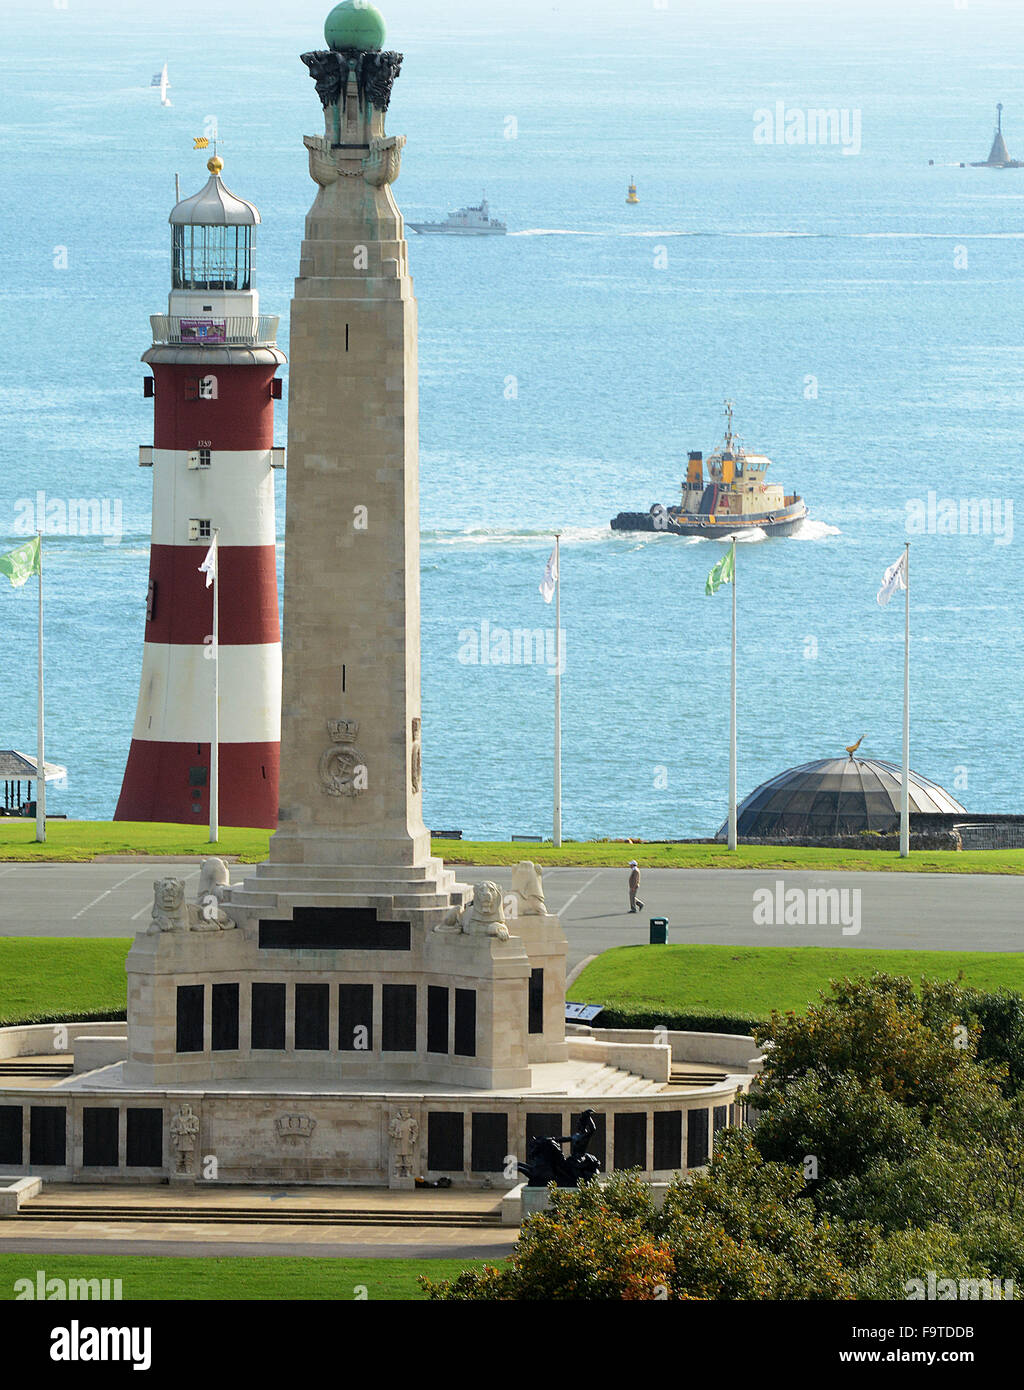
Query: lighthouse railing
[[230, 332]]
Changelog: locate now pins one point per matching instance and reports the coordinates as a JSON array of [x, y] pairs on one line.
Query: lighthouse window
[[212, 258], [204, 458]]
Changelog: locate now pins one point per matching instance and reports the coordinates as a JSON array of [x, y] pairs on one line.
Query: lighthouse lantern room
[[214, 361]]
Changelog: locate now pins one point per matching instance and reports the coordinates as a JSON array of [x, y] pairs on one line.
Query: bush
[[676, 1022]]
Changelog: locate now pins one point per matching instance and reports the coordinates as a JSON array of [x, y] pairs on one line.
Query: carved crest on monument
[[294, 1126], [342, 769]]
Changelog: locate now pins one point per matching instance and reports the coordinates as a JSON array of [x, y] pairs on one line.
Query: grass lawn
[[80, 841], [159, 1277], [747, 982], [614, 854], [48, 978]]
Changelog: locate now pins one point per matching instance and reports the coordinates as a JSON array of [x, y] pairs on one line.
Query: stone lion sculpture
[[482, 915], [170, 912]]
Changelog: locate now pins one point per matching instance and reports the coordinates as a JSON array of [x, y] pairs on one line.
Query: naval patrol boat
[[466, 222], [734, 498]]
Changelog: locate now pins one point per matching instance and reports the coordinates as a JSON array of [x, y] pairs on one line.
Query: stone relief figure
[[481, 916], [416, 772], [403, 1131], [528, 890], [184, 1137]]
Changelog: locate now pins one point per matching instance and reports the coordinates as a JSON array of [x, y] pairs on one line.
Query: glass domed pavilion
[[836, 796]]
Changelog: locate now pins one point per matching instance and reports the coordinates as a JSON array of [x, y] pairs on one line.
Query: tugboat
[[466, 222], [631, 195], [736, 497]]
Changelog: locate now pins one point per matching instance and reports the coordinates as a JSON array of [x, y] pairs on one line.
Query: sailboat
[[161, 80]]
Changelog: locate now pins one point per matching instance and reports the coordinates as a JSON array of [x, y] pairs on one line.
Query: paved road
[[924, 911]]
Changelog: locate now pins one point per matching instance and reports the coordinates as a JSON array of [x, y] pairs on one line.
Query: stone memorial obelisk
[[350, 792], [351, 956]]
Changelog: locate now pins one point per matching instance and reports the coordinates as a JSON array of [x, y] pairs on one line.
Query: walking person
[[635, 905]]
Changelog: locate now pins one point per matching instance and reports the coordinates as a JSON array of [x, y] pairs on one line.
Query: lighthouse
[[214, 361]]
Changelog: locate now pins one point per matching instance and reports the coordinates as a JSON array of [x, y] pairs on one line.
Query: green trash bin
[[659, 931]]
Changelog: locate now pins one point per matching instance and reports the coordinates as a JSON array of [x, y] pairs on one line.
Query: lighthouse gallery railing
[[230, 332]]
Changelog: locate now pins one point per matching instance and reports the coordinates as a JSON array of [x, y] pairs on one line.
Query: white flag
[[209, 565], [894, 578], [547, 584]]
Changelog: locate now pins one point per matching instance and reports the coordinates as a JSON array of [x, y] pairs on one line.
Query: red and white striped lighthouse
[[214, 362]]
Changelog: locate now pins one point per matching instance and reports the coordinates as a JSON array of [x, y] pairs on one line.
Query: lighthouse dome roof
[[214, 206]]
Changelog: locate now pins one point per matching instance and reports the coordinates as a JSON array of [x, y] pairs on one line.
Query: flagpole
[[905, 789], [215, 738], [732, 715], [40, 744], [557, 830]]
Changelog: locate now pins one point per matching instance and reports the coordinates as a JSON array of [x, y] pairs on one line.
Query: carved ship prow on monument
[[735, 497]]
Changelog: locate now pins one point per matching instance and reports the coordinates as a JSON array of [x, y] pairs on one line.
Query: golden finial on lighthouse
[[215, 164], [851, 748]]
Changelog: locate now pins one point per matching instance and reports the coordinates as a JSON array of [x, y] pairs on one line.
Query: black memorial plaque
[[488, 1142], [100, 1130], [312, 1017], [190, 1018], [144, 1137], [668, 1139], [445, 1142], [631, 1139], [48, 1127], [224, 1023], [465, 1023], [268, 1006], [355, 1018], [398, 1018]]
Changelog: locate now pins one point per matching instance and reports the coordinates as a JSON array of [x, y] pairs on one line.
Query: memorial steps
[[39, 1068], [412, 889], [143, 1210]]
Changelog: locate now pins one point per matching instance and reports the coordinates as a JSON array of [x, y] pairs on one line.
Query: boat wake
[[498, 535], [771, 235], [809, 530], [590, 535]]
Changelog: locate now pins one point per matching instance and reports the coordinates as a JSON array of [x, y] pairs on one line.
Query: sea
[[857, 298]]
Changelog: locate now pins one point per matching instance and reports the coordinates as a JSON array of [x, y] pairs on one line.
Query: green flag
[[722, 573], [20, 564]]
